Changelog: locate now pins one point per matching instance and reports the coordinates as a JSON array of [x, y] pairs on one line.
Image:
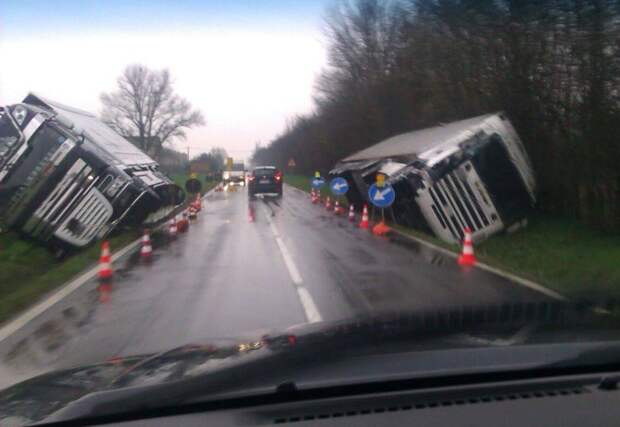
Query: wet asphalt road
[[247, 266]]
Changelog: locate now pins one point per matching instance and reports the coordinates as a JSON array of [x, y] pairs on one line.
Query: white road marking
[[306, 300], [65, 291], [290, 264], [312, 313]]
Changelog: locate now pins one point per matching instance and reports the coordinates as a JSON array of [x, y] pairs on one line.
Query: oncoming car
[[265, 180]]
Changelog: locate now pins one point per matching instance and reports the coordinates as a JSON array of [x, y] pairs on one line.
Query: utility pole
[[189, 166]]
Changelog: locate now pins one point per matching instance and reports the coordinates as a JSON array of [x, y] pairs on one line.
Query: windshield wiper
[[320, 343]]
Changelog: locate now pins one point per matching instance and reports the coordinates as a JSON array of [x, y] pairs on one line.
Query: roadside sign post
[[318, 181], [339, 186], [380, 185], [381, 197]]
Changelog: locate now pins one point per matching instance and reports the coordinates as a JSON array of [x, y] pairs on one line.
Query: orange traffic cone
[[315, 197], [364, 222], [183, 223], [380, 229], [328, 203], [105, 267], [351, 213], [467, 257], [337, 208], [146, 250], [172, 230], [192, 212], [198, 203]]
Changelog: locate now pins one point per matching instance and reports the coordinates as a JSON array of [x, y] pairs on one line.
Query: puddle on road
[[426, 253]]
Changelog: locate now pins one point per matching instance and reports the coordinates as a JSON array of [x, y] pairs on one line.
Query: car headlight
[[19, 114]]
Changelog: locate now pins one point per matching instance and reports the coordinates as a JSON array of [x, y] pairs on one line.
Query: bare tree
[[146, 109]]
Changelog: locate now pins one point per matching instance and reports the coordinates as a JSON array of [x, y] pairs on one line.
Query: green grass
[[560, 254], [28, 270], [303, 183], [300, 181]]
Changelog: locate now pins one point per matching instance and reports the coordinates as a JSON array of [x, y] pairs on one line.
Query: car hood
[[348, 351], [34, 399]]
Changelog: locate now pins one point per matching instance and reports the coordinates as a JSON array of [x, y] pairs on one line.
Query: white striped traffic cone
[[146, 250], [105, 266], [467, 257], [172, 230], [364, 222], [351, 213], [337, 208]]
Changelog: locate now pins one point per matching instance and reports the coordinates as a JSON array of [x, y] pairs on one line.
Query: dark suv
[[265, 180]]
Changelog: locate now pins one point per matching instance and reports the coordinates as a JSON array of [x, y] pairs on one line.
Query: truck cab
[[67, 179]]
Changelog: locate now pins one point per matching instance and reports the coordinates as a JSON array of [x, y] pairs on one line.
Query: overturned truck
[[472, 173], [66, 178]]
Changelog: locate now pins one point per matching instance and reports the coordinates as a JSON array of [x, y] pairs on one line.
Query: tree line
[[552, 65]]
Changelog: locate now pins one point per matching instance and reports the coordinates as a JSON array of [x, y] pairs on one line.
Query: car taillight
[[278, 176], [251, 178]]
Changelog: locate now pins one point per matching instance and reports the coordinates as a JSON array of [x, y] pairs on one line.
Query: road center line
[[310, 309], [312, 312]]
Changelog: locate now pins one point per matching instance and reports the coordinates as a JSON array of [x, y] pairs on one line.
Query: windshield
[[9, 136], [264, 172], [27, 171], [217, 184]]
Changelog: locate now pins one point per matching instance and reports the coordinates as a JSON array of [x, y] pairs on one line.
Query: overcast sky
[[247, 65]]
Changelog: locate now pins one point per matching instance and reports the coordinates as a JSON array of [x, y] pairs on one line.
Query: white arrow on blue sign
[[317, 182], [339, 186], [381, 197]]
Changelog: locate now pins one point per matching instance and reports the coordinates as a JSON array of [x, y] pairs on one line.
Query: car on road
[[235, 176], [266, 180]]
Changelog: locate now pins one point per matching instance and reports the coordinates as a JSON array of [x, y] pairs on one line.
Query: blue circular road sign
[[317, 182], [339, 186], [381, 197]]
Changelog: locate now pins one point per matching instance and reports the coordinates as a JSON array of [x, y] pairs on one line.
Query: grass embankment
[[29, 270], [562, 255]]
